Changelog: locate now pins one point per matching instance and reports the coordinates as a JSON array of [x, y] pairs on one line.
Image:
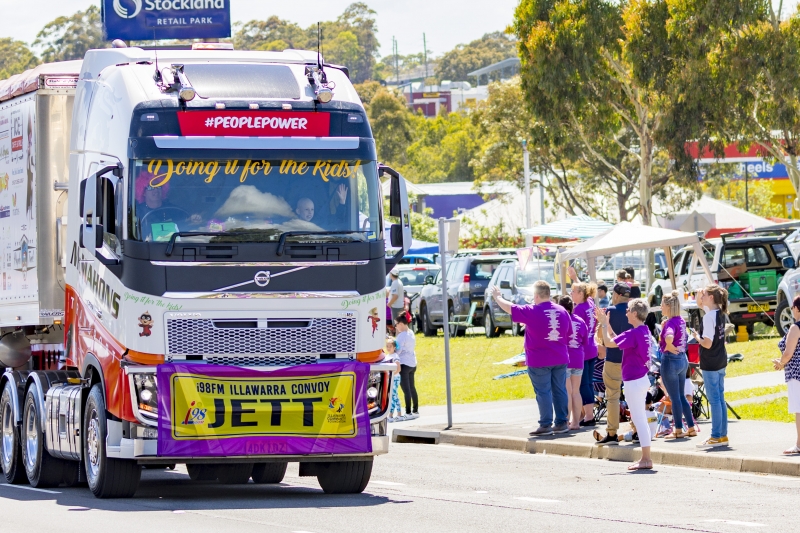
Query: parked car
[[607, 271], [467, 278], [750, 265], [516, 285], [416, 260], [412, 276]]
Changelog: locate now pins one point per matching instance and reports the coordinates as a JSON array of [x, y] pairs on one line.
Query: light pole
[[527, 173]]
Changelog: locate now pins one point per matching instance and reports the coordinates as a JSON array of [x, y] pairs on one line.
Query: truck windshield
[[254, 200]]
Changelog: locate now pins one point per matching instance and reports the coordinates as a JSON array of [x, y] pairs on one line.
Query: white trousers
[[635, 395]]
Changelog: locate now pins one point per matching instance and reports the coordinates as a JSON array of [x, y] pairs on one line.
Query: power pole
[[527, 175], [425, 57], [396, 67]]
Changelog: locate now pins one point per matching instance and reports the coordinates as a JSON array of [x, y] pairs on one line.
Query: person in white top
[[396, 295], [408, 366]]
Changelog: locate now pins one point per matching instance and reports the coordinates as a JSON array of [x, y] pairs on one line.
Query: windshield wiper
[[174, 236], [282, 240]]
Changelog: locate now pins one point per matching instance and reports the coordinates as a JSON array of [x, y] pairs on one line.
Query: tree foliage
[[350, 40], [15, 57], [465, 58], [391, 124], [442, 149], [67, 38]]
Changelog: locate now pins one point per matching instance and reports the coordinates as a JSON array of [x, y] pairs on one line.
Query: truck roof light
[[219, 105], [212, 46], [253, 106]]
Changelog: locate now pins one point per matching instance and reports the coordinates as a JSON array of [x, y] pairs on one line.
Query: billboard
[[142, 20]]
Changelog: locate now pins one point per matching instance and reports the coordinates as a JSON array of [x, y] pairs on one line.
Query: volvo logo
[[261, 278], [122, 11]]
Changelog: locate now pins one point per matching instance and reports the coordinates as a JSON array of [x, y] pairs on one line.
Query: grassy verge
[[753, 393], [774, 411], [758, 356], [472, 370]]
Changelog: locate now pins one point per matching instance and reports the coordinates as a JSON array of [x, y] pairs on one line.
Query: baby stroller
[[700, 407], [600, 403]]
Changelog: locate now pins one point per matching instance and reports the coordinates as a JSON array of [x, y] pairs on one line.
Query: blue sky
[[446, 23]]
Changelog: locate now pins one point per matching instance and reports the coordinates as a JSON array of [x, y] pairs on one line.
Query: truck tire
[[235, 474], [10, 451], [202, 472], [783, 317], [427, 328], [43, 470], [517, 330], [264, 473], [108, 478], [346, 477]]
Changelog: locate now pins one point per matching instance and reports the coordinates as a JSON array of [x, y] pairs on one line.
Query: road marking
[[179, 512], [30, 488], [537, 500], [736, 522], [387, 483]]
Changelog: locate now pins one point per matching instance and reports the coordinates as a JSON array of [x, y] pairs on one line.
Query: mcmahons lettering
[[107, 296]]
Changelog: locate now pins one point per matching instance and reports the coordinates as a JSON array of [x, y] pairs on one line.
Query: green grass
[[471, 370], [774, 411], [753, 393], [758, 356]]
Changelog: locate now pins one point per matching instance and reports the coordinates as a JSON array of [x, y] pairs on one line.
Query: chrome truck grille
[[271, 342]]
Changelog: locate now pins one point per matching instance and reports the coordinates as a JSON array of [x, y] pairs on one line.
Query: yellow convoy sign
[[205, 407]]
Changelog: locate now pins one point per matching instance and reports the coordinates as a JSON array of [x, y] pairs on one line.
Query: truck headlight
[[146, 393]]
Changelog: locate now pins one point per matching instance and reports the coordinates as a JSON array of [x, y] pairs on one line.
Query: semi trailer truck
[[192, 270]]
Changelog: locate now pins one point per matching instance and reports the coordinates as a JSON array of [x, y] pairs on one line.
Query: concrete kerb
[[611, 453]]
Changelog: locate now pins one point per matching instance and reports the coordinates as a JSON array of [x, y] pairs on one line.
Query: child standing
[[394, 402], [408, 366], [713, 360]]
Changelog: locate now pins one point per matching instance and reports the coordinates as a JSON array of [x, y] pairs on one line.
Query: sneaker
[[541, 431], [635, 437], [711, 442], [608, 439], [561, 428], [587, 423], [390, 419], [401, 418], [412, 416]]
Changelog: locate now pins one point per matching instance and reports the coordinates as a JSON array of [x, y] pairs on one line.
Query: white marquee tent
[[625, 237]]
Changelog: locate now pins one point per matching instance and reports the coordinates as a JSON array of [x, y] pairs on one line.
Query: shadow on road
[[168, 491]]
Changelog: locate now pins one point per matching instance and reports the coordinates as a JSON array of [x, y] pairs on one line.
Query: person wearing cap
[[396, 294], [612, 369]]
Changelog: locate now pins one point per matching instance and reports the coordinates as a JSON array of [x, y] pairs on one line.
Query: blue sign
[[755, 169], [144, 20]]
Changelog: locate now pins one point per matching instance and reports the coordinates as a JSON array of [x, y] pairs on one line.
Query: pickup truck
[[750, 265]]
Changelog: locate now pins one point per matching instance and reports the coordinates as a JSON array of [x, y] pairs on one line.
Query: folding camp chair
[[458, 322]]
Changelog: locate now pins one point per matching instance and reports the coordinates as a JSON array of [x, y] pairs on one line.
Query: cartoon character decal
[[146, 323], [374, 318]]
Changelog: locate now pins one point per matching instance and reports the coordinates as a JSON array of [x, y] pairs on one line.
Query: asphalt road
[[426, 488]]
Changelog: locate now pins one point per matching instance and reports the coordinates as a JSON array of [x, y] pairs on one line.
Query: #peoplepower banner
[[210, 411], [254, 123]]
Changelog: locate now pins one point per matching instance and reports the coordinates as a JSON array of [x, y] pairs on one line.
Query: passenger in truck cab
[[305, 209]]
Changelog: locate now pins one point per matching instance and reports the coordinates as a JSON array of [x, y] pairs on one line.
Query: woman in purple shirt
[[674, 364], [635, 346], [575, 347], [583, 296]]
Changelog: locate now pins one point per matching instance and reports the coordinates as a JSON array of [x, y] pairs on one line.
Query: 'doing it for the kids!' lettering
[[163, 170]]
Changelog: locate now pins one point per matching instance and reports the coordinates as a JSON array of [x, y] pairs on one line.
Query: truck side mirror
[[660, 274], [396, 235], [90, 213], [788, 262], [428, 280]]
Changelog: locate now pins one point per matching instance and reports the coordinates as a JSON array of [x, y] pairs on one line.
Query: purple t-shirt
[[547, 332], [675, 326], [585, 310], [577, 342], [635, 346]]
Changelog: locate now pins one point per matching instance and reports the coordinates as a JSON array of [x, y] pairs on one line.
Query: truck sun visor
[[243, 81]]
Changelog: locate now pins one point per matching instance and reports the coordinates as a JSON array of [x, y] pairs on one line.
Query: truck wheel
[[427, 329], [783, 316], [346, 477], [202, 472], [517, 330], [10, 452], [269, 472], [236, 474], [43, 470], [488, 325], [108, 478]]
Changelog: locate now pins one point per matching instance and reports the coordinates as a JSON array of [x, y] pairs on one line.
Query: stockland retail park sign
[[143, 20]]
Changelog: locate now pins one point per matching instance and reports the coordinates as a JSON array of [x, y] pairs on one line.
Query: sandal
[[641, 465], [792, 451]]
